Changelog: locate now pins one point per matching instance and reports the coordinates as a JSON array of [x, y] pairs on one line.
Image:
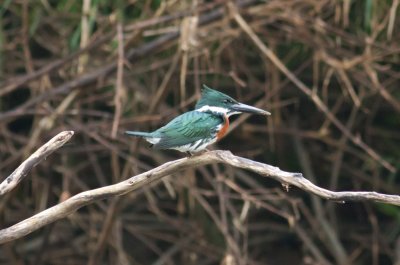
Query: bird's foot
[[198, 153]]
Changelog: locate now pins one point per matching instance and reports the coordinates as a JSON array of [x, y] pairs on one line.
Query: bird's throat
[[224, 129]]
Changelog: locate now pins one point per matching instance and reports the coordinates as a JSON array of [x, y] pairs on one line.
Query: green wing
[[187, 128]]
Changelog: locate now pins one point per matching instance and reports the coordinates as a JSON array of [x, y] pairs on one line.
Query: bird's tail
[[139, 134]]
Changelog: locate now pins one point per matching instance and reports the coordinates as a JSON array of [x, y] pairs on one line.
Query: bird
[[192, 131]]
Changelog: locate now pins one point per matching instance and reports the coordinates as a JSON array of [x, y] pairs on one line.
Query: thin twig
[[313, 96], [119, 93]]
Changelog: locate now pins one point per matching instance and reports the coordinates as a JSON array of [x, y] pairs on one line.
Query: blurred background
[[101, 67]]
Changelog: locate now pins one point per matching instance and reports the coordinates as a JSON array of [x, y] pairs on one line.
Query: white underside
[[195, 147]]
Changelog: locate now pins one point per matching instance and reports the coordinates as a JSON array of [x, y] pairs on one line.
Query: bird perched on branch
[[193, 131]]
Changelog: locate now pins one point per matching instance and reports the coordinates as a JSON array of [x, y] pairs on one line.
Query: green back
[[187, 128]]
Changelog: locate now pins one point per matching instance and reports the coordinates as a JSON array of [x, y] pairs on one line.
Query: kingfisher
[[192, 131]]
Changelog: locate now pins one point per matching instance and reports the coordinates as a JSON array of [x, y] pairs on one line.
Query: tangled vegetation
[[327, 70]]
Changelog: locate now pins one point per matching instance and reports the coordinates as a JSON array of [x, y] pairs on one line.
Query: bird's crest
[[214, 98]]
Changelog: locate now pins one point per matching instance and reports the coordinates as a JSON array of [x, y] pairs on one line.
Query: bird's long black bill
[[240, 107]]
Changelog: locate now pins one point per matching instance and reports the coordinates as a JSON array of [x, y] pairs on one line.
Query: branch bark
[[18, 175], [69, 206]]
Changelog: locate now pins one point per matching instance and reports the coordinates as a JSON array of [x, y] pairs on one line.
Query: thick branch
[[74, 203], [56, 142]]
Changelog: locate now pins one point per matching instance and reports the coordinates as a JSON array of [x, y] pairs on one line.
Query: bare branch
[[84, 198], [18, 175]]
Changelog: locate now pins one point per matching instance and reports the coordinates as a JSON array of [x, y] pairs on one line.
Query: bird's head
[[217, 102]]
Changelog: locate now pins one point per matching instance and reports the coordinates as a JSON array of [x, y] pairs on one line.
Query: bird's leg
[[189, 154]]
